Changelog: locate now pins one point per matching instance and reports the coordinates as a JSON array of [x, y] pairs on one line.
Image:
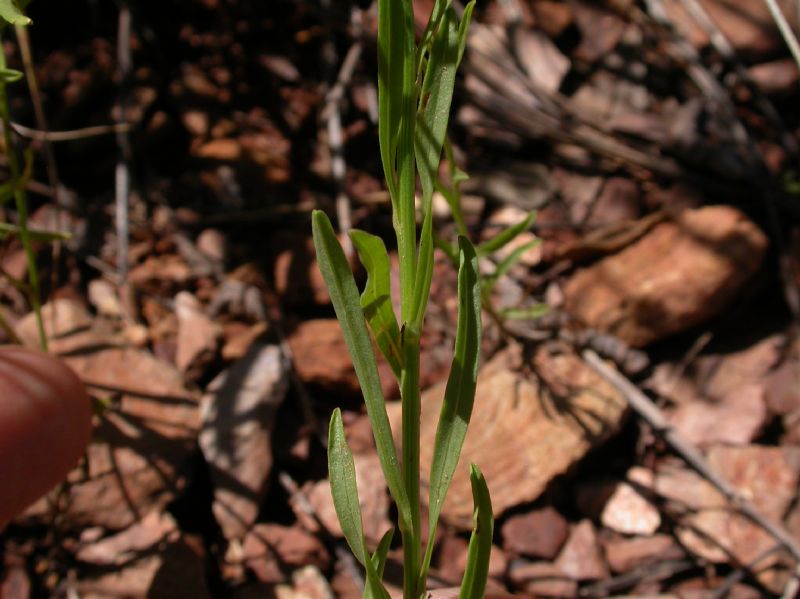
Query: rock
[[748, 26], [161, 273], [783, 388], [776, 77], [267, 547], [239, 337], [451, 559], [59, 317], [298, 279], [718, 377], [627, 553], [220, 149], [727, 374], [196, 122], [524, 431], [540, 533], [735, 420], [581, 557], [542, 579], [678, 275], [321, 357], [103, 296], [579, 191], [197, 334], [307, 583], [176, 570], [14, 580], [140, 538], [238, 415], [715, 530], [541, 60], [601, 30], [618, 201], [552, 17], [213, 244], [629, 509]]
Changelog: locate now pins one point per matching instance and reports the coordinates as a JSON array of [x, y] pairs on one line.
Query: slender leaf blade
[[463, 29], [347, 304], [379, 562], [10, 75], [376, 297], [342, 473], [422, 284], [509, 261], [459, 394], [531, 313], [382, 552], [7, 229], [473, 585], [436, 97], [9, 11], [506, 235]]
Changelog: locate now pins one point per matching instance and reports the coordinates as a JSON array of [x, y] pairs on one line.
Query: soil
[[663, 167]]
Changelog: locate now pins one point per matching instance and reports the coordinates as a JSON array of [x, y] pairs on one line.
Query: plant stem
[[410, 397], [22, 209]]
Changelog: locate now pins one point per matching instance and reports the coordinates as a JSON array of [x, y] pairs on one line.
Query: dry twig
[[122, 172], [648, 410]]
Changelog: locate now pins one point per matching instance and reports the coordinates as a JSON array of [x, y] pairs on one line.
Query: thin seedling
[[415, 91], [14, 188]]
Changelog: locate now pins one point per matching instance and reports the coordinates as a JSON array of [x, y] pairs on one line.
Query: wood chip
[[581, 558], [709, 526], [539, 533], [678, 275], [236, 439], [523, 431]]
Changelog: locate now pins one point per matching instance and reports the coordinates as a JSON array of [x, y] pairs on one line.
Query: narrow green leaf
[[342, 474], [509, 261], [463, 29], [422, 284], [473, 585], [379, 561], [459, 176], [7, 229], [396, 124], [11, 13], [346, 302], [506, 235], [376, 298], [382, 552], [532, 313], [459, 393], [10, 75], [434, 21], [436, 96]]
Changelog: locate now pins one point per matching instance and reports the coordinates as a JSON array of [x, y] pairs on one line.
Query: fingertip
[[45, 425]]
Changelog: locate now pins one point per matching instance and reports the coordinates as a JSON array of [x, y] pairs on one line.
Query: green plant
[[452, 194], [415, 87], [10, 13]]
